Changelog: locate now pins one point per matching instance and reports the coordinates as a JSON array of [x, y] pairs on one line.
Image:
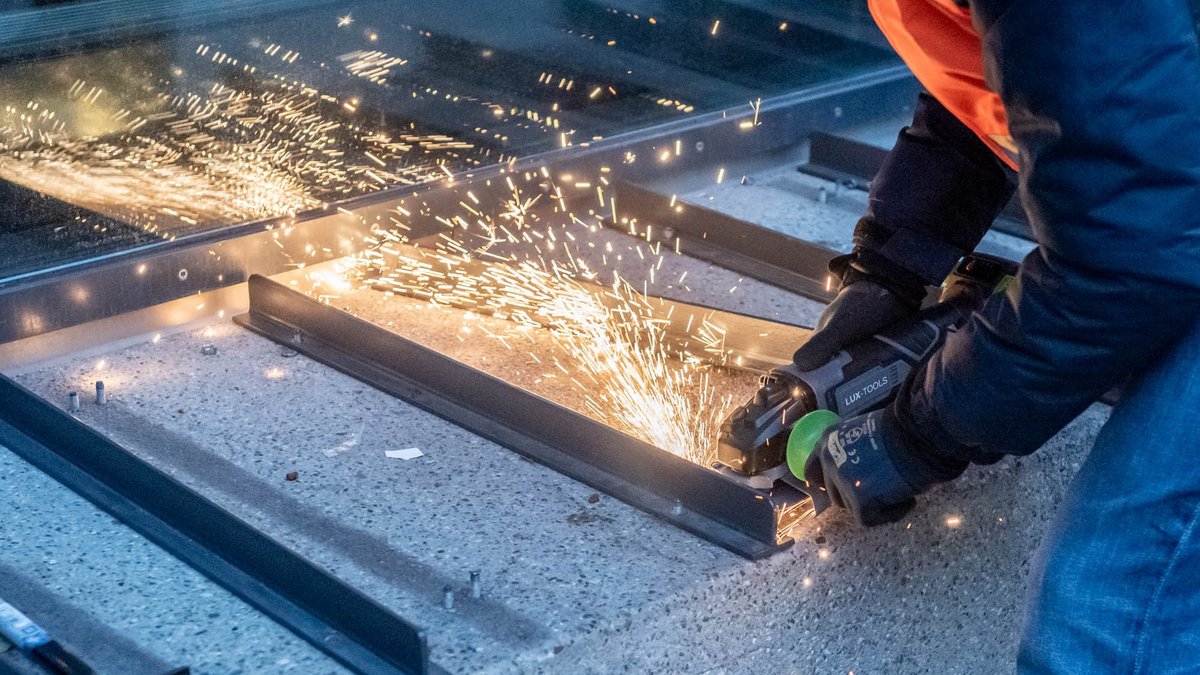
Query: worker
[[1092, 110]]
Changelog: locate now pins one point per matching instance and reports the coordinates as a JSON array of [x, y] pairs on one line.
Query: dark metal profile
[[853, 164], [689, 496], [746, 248], [842, 160], [332, 616]]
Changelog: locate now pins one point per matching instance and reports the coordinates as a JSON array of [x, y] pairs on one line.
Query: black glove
[[865, 305], [873, 467]]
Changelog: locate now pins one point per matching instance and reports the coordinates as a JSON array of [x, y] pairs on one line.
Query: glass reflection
[[123, 142]]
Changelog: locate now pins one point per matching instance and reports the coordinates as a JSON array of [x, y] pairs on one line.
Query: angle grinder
[[767, 440]]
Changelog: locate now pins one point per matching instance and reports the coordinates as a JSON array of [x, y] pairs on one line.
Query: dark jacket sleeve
[[1104, 104], [932, 201]]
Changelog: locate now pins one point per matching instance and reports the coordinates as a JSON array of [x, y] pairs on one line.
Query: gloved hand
[[873, 467], [864, 306]]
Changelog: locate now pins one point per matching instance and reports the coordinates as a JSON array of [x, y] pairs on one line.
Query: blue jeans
[[1117, 584]]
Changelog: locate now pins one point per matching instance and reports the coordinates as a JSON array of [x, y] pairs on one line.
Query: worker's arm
[[934, 198], [1104, 105], [932, 201], [1105, 108]]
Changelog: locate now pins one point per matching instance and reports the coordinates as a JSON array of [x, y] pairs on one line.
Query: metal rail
[[332, 616], [692, 497], [746, 248], [853, 164]]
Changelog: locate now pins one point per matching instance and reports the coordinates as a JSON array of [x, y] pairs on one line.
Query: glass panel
[[123, 123]]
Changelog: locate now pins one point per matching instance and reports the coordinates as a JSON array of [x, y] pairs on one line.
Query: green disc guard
[[804, 436]]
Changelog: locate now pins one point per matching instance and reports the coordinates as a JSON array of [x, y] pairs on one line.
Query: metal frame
[[749, 343], [692, 497], [332, 616], [79, 292]]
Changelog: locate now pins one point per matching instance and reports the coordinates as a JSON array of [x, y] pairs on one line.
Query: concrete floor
[[120, 602], [575, 581]]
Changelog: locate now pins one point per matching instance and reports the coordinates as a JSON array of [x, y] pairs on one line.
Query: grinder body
[[862, 377]]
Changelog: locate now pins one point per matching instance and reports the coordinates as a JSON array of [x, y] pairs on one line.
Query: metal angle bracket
[[332, 616], [687, 495]]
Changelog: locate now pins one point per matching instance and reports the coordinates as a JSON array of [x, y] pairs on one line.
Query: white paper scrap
[[406, 453]]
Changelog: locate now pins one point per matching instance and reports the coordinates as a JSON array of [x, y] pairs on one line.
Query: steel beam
[[332, 616], [689, 496]]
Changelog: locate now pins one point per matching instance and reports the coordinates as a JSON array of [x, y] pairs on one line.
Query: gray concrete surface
[[570, 585], [574, 581], [121, 603]]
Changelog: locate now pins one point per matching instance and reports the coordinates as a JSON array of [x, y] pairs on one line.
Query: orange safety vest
[[938, 42]]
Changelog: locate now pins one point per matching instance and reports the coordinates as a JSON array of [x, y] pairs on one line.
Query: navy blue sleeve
[[933, 199], [1103, 101]]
